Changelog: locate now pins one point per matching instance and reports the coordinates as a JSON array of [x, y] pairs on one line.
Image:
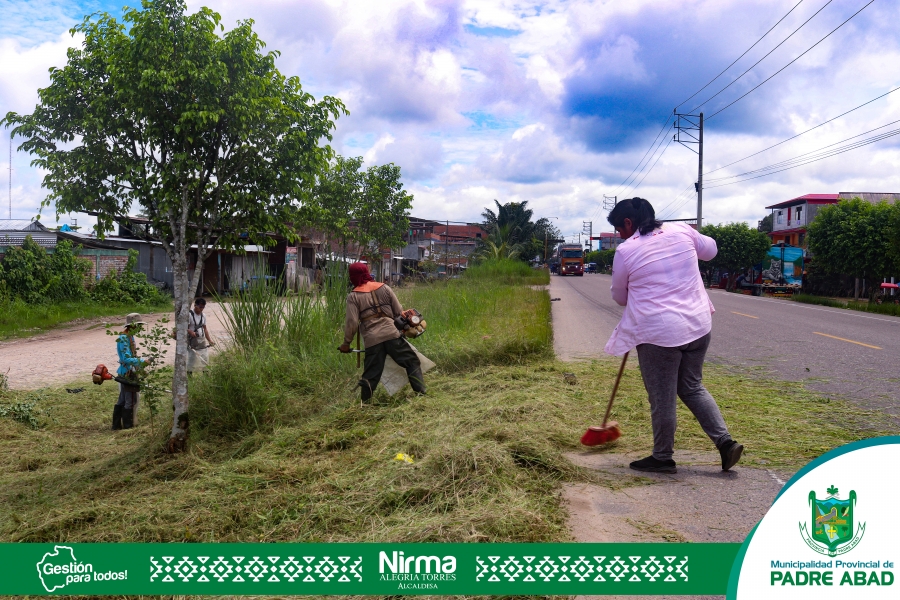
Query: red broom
[[608, 432]]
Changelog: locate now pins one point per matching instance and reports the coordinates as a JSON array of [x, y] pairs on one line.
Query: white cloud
[[511, 99]]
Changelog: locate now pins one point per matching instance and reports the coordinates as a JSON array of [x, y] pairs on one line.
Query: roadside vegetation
[[39, 291], [283, 450], [886, 308]]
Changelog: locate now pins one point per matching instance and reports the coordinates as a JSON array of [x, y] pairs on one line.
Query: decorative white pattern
[[272, 569], [562, 569]]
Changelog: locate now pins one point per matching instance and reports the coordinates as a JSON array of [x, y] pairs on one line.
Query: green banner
[[343, 569]]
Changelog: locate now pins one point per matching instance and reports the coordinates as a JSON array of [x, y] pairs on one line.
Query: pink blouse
[[657, 279]]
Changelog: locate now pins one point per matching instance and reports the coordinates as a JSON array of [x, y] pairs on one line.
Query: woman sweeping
[[668, 317]]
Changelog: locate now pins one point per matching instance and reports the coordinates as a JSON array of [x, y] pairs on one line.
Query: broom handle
[[615, 389], [357, 346]]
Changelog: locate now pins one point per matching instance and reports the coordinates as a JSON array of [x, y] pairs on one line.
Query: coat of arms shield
[[831, 523]]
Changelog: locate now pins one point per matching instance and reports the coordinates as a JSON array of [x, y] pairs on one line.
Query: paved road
[[833, 351]]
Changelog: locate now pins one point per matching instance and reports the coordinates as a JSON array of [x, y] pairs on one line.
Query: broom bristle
[[597, 436]]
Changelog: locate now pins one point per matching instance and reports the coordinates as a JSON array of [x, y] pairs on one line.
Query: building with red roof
[[790, 218]]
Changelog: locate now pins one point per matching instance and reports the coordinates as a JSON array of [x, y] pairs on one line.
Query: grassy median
[[487, 443]]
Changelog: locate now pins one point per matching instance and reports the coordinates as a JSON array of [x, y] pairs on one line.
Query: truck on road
[[570, 258]]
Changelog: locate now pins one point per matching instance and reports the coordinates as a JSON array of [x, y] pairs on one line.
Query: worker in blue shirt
[[129, 395]]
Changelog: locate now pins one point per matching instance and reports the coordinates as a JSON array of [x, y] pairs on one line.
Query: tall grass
[[20, 319], [284, 362], [479, 321], [283, 358], [507, 271]]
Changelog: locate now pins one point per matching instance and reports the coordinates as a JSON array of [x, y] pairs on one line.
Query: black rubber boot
[[127, 418], [117, 417], [366, 390]]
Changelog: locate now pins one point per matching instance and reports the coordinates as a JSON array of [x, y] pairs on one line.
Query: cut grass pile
[[487, 446], [18, 319]]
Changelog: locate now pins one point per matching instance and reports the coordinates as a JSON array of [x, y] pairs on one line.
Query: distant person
[[372, 308], [668, 317], [129, 393], [199, 340]]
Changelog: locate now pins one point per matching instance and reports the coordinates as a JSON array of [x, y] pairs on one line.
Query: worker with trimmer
[[668, 317], [127, 376], [372, 308]]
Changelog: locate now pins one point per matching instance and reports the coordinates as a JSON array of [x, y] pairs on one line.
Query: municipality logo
[[831, 524], [60, 568]]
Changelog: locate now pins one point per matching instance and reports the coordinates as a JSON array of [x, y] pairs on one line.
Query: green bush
[[127, 287], [34, 276]]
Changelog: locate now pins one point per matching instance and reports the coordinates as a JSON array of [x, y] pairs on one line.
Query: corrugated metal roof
[[21, 225], [873, 197], [17, 238], [810, 198]]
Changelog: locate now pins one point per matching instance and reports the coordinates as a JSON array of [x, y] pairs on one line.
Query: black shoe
[[652, 465], [117, 417], [731, 454]]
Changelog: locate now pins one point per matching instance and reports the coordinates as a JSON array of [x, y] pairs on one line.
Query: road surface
[[837, 352], [70, 353]]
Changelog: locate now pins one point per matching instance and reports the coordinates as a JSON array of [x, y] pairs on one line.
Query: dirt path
[[70, 353]]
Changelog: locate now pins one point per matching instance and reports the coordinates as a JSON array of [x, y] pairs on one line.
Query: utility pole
[[10, 174], [447, 251], [700, 179], [587, 228], [689, 131], [609, 202]]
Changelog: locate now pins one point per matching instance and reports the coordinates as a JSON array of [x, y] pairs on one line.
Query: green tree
[[603, 258], [519, 232], [765, 225], [739, 246], [336, 194], [199, 130], [498, 245], [856, 238], [381, 214]]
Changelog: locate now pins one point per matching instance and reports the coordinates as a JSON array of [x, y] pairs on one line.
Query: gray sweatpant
[[668, 372]]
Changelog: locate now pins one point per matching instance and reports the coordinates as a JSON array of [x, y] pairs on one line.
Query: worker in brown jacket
[[371, 308]]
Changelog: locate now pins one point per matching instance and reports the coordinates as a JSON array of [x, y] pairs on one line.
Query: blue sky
[[552, 102]]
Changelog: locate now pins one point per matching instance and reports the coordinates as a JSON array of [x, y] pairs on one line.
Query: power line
[[632, 188], [804, 132], [757, 62], [651, 168], [818, 157], [665, 210], [657, 141], [790, 63], [645, 154], [805, 154]]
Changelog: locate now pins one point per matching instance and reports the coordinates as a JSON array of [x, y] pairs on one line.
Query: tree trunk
[[856, 288], [183, 299]]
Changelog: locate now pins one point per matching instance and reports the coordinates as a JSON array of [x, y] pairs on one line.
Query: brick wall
[[103, 263]]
